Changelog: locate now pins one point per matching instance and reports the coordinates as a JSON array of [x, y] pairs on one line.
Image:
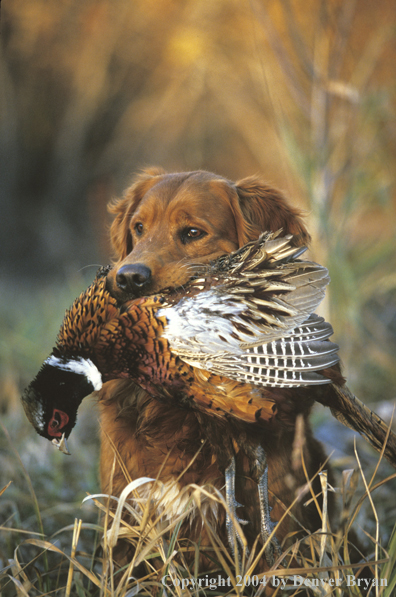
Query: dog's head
[[167, 222]]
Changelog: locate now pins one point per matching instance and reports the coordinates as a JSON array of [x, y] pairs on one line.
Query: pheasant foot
[[267, 525], [232, 533]]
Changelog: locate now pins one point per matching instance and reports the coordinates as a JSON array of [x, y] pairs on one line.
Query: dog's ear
[[264, 208], [123, 208]]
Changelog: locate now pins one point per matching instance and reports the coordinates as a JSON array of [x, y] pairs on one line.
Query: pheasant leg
[[232, 533], [267, 526]]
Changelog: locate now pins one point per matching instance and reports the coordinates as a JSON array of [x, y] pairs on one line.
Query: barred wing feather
[[293, 360], [257, 326]]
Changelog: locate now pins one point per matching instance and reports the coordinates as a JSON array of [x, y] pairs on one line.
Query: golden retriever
[[162, 226]]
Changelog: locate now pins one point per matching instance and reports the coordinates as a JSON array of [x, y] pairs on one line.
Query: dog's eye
[[138, 228], [190, 234], [194, 233]]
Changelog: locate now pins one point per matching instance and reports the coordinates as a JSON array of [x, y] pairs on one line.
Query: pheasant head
[[52, 399]]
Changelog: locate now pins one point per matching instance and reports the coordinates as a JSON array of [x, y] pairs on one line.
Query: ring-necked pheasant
[[231, 344]]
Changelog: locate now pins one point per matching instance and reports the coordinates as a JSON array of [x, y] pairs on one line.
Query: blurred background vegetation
[[93, 90]]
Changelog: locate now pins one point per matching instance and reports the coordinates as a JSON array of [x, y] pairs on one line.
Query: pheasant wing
[[295, 359], [255, 322]]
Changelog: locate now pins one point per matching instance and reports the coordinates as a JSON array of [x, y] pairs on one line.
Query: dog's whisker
[[89, 265]]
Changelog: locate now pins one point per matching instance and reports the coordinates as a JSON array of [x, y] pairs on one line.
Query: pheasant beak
[[61, 444]]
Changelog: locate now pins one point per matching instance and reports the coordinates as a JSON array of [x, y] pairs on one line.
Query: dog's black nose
[[133, 278]]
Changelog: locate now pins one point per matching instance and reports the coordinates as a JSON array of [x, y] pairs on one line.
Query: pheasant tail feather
[[352, 413]]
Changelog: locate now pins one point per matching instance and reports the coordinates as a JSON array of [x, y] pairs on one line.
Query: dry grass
[[70, 552]]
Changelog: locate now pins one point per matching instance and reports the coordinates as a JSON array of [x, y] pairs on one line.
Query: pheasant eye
[[55, 421], [58, 421]]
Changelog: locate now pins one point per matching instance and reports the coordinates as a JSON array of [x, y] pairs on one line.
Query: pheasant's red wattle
[[58, 421]]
